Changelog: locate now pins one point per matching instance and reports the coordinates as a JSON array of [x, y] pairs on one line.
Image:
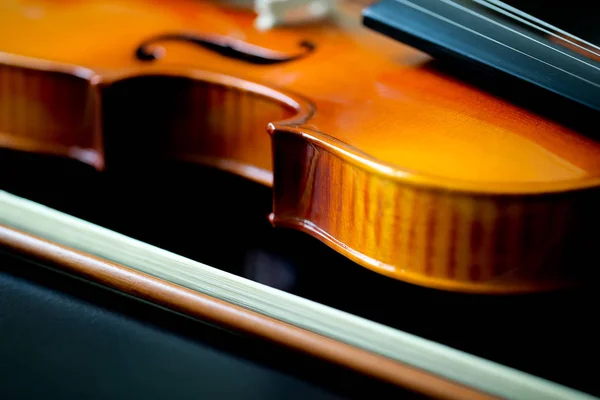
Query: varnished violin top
[[404, 168], [371, 92]]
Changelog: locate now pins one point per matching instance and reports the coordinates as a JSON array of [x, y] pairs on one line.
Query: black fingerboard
[[493, 36]]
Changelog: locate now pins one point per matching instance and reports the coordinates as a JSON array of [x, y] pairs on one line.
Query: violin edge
[[93, 153], [441, 239], [491, 288]]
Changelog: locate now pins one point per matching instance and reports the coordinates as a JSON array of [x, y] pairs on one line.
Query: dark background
[[221, 220], [70, 340], [578, 17]]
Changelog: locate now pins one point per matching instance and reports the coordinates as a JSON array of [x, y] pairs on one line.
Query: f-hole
[[225, 46]]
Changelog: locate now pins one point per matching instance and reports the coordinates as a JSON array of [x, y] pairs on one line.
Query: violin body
[[368, 146]]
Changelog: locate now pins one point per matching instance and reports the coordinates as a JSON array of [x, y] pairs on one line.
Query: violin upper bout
[[50, 109]]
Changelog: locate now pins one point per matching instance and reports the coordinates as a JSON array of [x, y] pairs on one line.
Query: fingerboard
[[491, 35]]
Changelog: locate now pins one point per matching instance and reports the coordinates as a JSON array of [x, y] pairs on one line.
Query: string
[[541, 22], [424, 10], [523, 35], [484, 3]]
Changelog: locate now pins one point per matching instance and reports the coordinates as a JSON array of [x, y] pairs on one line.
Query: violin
[[367, 144]]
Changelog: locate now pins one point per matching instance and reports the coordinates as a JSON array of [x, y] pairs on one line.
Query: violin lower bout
[[432, 237]]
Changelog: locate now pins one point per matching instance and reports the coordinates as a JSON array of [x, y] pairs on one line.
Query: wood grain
[[373, 149]]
